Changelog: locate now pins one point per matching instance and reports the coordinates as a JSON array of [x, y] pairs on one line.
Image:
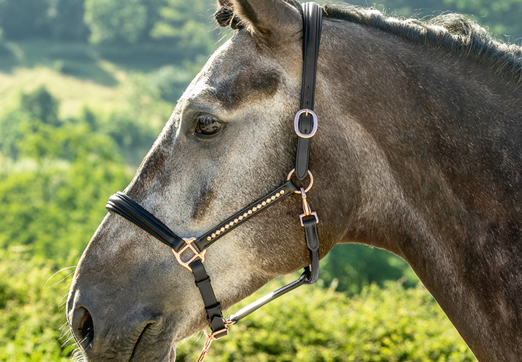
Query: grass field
[[81, 75]]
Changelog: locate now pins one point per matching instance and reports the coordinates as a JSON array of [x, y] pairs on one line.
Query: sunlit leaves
[[315, 324], [53, 197], [31, 311], [196, 31], [112, 21]]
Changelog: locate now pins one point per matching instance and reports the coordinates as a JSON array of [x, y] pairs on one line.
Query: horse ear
[[267, 19]]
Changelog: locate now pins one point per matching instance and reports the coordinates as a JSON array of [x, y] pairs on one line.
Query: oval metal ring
[[309, 186], [296, 123]]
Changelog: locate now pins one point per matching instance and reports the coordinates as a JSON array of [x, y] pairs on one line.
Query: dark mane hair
[[453, 32]]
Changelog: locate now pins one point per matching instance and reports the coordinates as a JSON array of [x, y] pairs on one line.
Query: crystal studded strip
[[245, 214]]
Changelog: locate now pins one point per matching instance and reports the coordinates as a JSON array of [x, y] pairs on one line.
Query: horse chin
[[171, 355]]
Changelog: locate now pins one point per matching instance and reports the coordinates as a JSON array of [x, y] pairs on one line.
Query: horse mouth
[[140, 339]]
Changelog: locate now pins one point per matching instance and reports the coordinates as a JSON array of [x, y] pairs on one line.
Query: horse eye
[[207, 125]]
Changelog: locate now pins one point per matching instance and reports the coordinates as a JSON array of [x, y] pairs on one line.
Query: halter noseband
[[190, 252]]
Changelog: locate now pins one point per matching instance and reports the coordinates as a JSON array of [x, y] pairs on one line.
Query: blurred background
[[85, 88]]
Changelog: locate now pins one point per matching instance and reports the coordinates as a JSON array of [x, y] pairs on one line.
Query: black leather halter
[[190, 252]]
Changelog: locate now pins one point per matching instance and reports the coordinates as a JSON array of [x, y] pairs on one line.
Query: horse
[[418, 151]]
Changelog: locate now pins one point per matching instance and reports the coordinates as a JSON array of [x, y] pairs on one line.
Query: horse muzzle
[[105, 331]]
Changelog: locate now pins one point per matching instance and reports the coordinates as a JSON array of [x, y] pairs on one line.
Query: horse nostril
[[83, 328]]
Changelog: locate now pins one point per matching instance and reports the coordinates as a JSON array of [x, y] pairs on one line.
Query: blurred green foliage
[[502, 17], [59, 176], [379, 325], [170, 81], [31, 308], [355, 266], [391, 324], [66, 19], [187, 24], [41, 105], [195, 32], [22, 19], [115, 21]]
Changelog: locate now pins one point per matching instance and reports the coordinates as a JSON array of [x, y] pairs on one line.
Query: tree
[[32, 112], [67, 20], [115, 21], [42, 105], [188, 24], [24, 19]]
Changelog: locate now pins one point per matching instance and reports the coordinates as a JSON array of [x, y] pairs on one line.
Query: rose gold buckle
[[311, 214], [307, 210], [189, 245], [214, 336], [217, 334]]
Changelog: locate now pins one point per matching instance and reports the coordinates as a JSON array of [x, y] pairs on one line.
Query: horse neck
[[430, 155]]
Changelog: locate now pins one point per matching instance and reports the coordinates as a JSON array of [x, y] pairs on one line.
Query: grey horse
[[419, 152]]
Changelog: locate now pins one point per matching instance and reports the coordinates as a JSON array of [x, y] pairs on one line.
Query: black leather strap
[[212, 306], [135, 213], [312, 240], [312, 20]]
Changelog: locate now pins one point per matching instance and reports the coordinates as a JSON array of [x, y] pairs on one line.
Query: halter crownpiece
[[190, 252]]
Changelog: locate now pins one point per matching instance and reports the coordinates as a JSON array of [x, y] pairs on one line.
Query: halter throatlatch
[[190, 252]]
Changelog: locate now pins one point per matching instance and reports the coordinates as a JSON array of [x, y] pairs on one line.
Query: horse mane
[[453, 32]]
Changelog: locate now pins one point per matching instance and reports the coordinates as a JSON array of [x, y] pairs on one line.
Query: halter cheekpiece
[[190, 252]]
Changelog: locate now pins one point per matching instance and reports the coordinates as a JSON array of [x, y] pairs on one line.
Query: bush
[[31, 317], [310, 324], [356, 266], [54, 199], [313, 324]]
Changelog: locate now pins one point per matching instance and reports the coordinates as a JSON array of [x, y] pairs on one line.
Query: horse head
[[417, 152], [229, 141]]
